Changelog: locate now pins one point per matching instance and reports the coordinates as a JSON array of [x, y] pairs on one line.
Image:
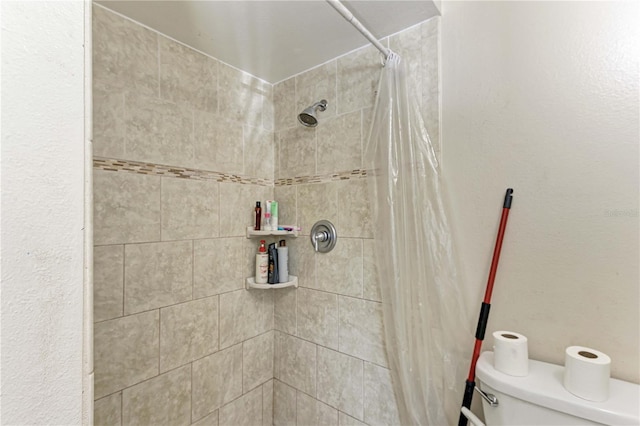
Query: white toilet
[[541, 399]]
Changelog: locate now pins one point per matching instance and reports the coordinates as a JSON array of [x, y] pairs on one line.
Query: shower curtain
[[427, 331]]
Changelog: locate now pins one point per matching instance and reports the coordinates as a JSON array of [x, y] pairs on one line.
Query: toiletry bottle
[[258, 216], [283, 262], [273, 264], [274, 215], [267, 216], [262, 264]]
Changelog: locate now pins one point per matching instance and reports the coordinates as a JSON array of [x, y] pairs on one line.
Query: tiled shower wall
[[330, 362], [184, 145]]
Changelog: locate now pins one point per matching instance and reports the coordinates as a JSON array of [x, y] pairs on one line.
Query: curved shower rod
[[346, 14]]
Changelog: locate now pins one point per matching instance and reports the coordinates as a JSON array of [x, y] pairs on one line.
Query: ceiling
[[273, 40]]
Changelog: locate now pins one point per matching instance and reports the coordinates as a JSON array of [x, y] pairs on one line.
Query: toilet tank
[[541, 399]]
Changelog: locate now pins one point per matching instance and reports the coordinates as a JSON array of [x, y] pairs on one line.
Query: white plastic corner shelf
[[251, 281]]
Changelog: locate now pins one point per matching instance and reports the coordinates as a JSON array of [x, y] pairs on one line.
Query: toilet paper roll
[[510, 353], [586, 373]]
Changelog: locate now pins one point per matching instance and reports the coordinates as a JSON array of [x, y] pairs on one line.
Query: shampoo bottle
[[283, 262], [273, 264], [262, 264], [258, 211], [274, 215], [266, 225]]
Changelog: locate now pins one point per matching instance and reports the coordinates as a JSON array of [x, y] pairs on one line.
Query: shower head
[[308, 116]]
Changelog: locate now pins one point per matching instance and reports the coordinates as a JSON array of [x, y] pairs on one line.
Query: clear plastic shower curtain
[[426, 325]]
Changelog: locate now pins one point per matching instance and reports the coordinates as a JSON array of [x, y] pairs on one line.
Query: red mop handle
[[486, 305]]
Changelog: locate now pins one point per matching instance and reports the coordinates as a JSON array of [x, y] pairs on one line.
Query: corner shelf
[[293, 282], [253, 233]]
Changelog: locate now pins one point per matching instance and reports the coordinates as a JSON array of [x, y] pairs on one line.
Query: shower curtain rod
[[346, 14]]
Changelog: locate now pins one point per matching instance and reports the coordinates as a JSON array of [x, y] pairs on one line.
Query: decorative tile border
[[127, 166], [331, 177], [152, 169]]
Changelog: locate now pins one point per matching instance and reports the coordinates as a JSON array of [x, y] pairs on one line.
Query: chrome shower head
[[308, 116]]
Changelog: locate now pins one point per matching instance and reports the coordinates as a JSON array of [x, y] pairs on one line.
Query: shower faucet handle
[[323, 236]]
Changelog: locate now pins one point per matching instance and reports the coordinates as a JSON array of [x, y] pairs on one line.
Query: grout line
[[159, 338], [124, 278], [193, 268], [158, 63], [160, 209]]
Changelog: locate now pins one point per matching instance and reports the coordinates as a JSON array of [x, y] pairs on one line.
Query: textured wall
[[543, 97], [183, 149], [330, 362], [43, 145]]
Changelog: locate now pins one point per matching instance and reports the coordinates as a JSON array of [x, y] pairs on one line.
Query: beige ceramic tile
[[312, 412], [341, 268], [287, 204], [126, 207], [268, 108], [125, 54], [108, 124], [188, 331], [259, 152], [358, 75], [361, 330], [237, 207], [317, 84], [217, 380], [125, 351], [217, 266], [162, 400], [295, 362], [340, 381], [244, 411], [355, 218], [108, 282], [367, 119], [158, 131], [340, 143], [316, 202], [408, 44], [244, 314], [218, 144], [107, 411], [267, 403], [284, 94], [258, 312], [232, 320], [296, 151], [302, 261], [240, 95], [284, 404], [431, 79], [379, 400], [345, 420], [189, 209], [317, 316], [257, 361], [371, 284], [210, 420], [157, 275], [187, 77], [285, 310]]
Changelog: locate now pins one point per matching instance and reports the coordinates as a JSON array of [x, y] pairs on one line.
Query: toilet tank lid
[[544, 386]]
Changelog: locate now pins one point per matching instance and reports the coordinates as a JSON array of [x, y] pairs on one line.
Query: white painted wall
[[543, 97], [42, 165]]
